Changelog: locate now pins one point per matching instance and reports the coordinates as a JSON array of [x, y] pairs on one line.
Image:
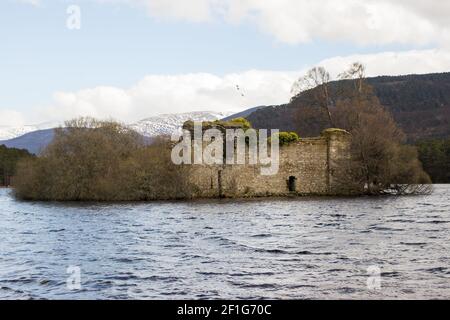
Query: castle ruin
[[307, 167]]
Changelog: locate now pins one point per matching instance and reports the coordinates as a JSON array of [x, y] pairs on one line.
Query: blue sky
[[123, 43]]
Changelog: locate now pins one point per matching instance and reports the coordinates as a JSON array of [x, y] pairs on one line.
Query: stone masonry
[[307, 167]]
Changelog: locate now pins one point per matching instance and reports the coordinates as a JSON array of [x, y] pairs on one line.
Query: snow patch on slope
[[165, 124], [168, 124], [7, 133]]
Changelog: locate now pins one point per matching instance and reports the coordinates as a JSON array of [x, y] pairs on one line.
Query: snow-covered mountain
[[36, 138], [167, 124], [164, 124], [7, 133]]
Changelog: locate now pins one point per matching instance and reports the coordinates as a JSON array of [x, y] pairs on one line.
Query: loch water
[[299, 248]]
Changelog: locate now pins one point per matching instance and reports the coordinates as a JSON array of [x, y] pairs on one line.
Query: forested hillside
[[420, 105], [435, 157], [9, 157]]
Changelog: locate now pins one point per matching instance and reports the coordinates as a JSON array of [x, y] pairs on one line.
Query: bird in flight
[[239, 90]]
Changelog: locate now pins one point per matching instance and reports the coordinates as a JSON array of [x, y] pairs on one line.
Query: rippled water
[[314, 248]]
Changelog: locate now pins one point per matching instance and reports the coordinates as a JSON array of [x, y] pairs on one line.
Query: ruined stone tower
[[307, 167]]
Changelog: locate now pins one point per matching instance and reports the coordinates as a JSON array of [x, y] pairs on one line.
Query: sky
[[132, 59]]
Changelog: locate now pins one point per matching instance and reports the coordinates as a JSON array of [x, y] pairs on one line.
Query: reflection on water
[[310, 248]]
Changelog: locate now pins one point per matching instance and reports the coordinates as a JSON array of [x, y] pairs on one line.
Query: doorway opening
[[292, 183]]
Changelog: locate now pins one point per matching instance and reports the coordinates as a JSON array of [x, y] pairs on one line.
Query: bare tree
[[380, 161], [316, 79], [357, 72], [101, 161]]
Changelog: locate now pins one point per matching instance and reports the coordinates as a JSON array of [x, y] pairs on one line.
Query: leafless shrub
[[94, 160], [379, 158]]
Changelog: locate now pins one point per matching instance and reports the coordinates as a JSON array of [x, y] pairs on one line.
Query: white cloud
[[415, 22], [11, 118], [192, 10], [375, 22], [158, 94], [368, 22], [361, 22], [394, 63], [187, 10]]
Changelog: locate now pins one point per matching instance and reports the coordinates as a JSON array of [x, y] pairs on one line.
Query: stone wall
[[312, 163]]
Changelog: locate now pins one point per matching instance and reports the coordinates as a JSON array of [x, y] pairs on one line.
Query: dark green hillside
[[420, 105], [9, 157], [435, 157]]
